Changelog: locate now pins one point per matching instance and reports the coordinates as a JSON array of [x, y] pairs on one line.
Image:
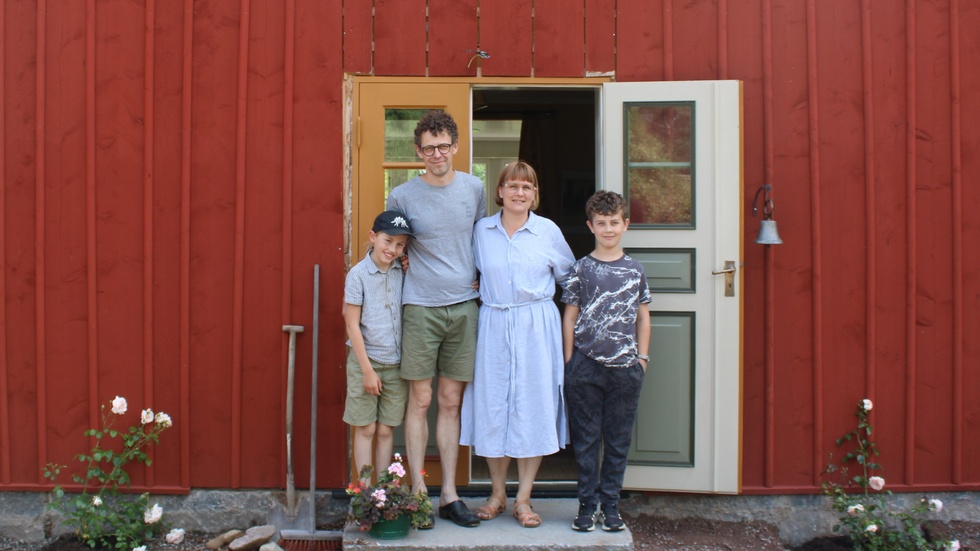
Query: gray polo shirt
[[379, 294]]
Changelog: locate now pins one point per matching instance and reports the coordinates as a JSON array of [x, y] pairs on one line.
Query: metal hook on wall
[[479, 54]]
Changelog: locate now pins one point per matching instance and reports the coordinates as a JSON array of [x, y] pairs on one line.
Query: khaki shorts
[[439, 340], [361, 408]]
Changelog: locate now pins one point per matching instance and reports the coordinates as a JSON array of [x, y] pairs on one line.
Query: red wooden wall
[[171, 172]]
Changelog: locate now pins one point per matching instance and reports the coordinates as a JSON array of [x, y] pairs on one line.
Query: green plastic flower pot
[[394, 529]]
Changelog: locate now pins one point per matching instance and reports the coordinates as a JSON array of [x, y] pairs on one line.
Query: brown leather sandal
[[526, 516], [491, 509]]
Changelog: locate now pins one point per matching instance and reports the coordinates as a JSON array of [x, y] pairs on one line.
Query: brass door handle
[[729, 271]]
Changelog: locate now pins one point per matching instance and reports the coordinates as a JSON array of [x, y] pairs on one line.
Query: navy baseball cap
[[392, 222]]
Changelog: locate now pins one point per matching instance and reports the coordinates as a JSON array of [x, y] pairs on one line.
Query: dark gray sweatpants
[[602, 403]]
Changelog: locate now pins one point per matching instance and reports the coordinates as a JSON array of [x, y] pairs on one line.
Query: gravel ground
[[192, 542], [650, 533], [661, 534]]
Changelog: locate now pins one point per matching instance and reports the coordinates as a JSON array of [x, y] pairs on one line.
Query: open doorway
[[687, 433], [551, 123], [553, 129]]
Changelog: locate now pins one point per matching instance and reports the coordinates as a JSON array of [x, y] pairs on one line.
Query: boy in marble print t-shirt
[[606, 334]]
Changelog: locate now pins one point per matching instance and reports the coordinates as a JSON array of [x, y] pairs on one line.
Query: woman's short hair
[[519, 171]]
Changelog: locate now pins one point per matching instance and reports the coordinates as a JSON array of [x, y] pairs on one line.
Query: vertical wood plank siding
[[870, 205], [911, 289], [452, 37], [968, 17], [149, 36], [171, 172], [40, 254], [184, 336], [288, 93], [91, 263], [358, 37], [4, 374], [510, 46], [816, 244], [769, 328], [956, 136], [558, 35], [600, 31]]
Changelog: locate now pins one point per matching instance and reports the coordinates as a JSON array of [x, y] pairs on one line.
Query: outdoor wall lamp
[[768, 235]]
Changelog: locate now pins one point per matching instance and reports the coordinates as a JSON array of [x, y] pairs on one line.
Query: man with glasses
[[439, 319]]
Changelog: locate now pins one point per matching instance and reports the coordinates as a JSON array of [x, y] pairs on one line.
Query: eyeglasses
[[430, 150], [527, 189]]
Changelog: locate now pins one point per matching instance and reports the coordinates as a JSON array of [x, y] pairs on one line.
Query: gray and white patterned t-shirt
[[609, 295]]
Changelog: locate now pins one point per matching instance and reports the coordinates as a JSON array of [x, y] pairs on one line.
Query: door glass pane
[[396, 177], [659, 163], [400, 134]]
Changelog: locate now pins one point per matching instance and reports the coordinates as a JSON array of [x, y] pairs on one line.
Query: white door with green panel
[[673, 149]]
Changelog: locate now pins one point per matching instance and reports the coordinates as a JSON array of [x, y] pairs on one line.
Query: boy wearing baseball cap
[[376, 394]]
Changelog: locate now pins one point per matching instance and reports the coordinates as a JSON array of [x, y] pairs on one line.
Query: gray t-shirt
[[609, 295], [441, 268]]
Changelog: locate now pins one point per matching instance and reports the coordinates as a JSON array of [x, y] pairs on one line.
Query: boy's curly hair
[[435, 122], [607, 203]]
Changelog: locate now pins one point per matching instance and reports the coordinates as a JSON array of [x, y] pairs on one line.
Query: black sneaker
[[585, 521], [611, 521]]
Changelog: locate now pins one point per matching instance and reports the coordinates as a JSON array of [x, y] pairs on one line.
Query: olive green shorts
[[439, 340], [361, 408]]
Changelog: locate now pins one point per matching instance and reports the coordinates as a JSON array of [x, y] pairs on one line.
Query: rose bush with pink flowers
[[865, 516]]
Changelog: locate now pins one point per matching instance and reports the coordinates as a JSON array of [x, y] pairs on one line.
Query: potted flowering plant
[[389, 499]]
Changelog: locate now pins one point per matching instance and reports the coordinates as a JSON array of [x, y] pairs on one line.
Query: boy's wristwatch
[[643, 357]]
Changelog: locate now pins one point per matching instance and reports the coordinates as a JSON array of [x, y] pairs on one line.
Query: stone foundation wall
[[799, 517], [23, 515]]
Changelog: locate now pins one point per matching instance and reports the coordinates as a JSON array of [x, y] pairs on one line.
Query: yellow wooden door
[[385, 114]]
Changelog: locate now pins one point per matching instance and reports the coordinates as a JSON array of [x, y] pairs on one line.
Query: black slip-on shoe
[[458, 513]]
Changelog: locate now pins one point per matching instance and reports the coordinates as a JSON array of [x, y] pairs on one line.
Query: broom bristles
[[304, 540], [311, 545]]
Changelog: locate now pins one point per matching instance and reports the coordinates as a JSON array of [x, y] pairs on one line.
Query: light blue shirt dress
[[514, 406]]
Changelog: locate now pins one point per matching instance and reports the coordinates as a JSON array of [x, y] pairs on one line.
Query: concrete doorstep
[[500, 534]]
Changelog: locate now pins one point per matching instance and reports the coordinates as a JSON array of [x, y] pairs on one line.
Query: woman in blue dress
[[514, 406]]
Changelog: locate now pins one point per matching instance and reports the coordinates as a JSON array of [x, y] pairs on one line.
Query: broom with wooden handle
[[312, 539]]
